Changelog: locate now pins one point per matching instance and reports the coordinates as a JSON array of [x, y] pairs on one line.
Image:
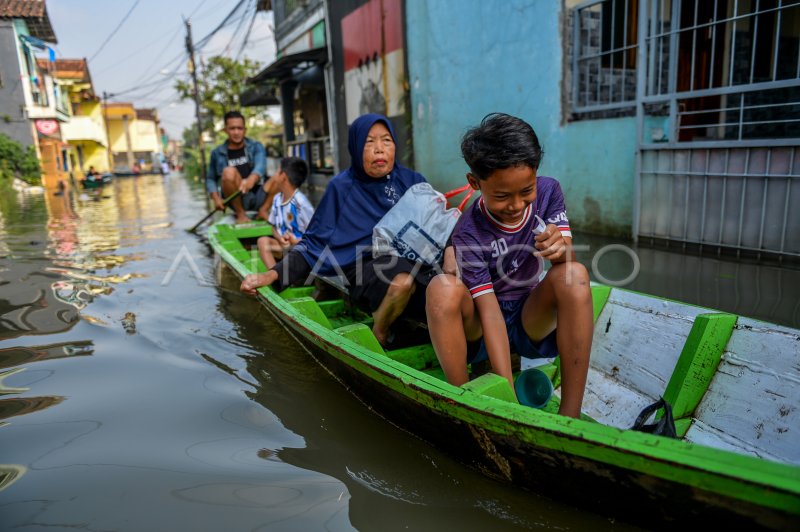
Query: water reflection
[[78, 233], [739, 286], [15, 358], [10, 473], [19, 406]]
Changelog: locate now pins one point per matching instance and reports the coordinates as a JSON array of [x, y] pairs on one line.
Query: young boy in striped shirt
[[290, 212], [503, 297]]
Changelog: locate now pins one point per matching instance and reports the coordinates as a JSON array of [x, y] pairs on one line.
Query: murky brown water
[[140, 391], [208, 416]]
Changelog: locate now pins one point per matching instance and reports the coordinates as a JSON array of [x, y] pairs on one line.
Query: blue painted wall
[[468, 59]]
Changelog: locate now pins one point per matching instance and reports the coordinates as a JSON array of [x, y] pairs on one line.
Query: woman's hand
[[449, 264]]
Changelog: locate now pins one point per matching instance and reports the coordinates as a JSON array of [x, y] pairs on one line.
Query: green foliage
[[16, 161], [220, 83]]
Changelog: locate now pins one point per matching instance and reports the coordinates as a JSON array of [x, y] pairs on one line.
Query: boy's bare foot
[[242, 219]]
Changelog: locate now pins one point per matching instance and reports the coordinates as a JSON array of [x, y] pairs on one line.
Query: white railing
[[84, 128]]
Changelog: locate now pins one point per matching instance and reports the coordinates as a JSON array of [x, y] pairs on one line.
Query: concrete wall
[[12, 97], [467, 59], [94, 154], [401, 123], [116, 132]]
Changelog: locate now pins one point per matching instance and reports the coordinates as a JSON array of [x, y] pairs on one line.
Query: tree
[[19, 162], [221, 82]]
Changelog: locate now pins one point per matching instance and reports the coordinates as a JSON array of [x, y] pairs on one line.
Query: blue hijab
[[341, 228]]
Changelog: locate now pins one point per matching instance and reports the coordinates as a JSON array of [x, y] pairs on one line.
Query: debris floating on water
[[129, 322]]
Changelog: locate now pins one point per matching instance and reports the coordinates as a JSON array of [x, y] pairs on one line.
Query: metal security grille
[[718, 119], [722, 70], [733, 197], [604, 57]]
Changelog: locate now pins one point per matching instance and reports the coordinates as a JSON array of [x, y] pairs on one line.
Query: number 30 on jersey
[[499, 247]]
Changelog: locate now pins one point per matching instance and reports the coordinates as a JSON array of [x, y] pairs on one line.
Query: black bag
[[663, 427]]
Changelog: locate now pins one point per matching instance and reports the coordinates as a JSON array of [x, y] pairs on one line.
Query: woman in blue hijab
[[340, 233]]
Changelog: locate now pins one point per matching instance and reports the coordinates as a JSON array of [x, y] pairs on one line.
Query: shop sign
[[47, 127]]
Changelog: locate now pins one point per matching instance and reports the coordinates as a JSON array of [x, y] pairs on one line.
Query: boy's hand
[[551, 244], [293, 240], [282, 240]]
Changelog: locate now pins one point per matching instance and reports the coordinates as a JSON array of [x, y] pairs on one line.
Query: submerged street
[[141, 391], [154, 377], [200, 412]]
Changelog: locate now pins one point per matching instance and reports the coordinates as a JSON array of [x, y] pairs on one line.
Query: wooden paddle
[[209, 215]]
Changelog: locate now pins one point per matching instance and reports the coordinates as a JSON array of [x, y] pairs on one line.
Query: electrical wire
[[114, 32], [202, 42], [236, 32], [247, 34]]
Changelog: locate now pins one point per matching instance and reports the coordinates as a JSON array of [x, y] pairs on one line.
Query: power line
[[242, 18], [148, 80], [249, 29], [120, 62], [202, 42], [114, 32]]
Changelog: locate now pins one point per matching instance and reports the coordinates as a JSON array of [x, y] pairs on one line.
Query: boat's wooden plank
[[636, 344], [698, 362], [751, 404], [600, 295], [252, 230], [417, 357], [332, 308], [492, 385], [297, 292], [361, 335], [309, 308]]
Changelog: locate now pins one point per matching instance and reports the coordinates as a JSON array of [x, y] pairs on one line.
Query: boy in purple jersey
[[500, 248]]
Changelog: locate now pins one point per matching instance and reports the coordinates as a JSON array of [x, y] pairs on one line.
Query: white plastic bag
[[417, 228]]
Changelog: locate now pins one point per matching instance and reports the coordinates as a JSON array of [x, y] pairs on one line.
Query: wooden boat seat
[[635, 348], [339, 284], [361, 335], [748, 406], [309, 308]]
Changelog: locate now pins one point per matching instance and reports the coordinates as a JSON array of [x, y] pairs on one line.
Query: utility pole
[[108, 134], [193, 71]]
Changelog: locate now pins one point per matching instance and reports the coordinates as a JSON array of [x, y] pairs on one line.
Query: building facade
[[32, 110], [85, 131], [671, 120], [134, 138], [665, 120]]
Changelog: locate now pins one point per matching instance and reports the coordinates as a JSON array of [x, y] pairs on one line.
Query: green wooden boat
[[732, 381], [97, 181]]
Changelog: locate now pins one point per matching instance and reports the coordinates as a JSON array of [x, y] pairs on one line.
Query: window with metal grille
[[735, 71], [604, 56], [719, 70]]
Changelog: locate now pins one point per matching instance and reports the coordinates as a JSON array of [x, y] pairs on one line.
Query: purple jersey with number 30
[[495, 257]]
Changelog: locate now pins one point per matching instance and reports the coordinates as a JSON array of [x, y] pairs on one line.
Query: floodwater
[[140, 391]]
